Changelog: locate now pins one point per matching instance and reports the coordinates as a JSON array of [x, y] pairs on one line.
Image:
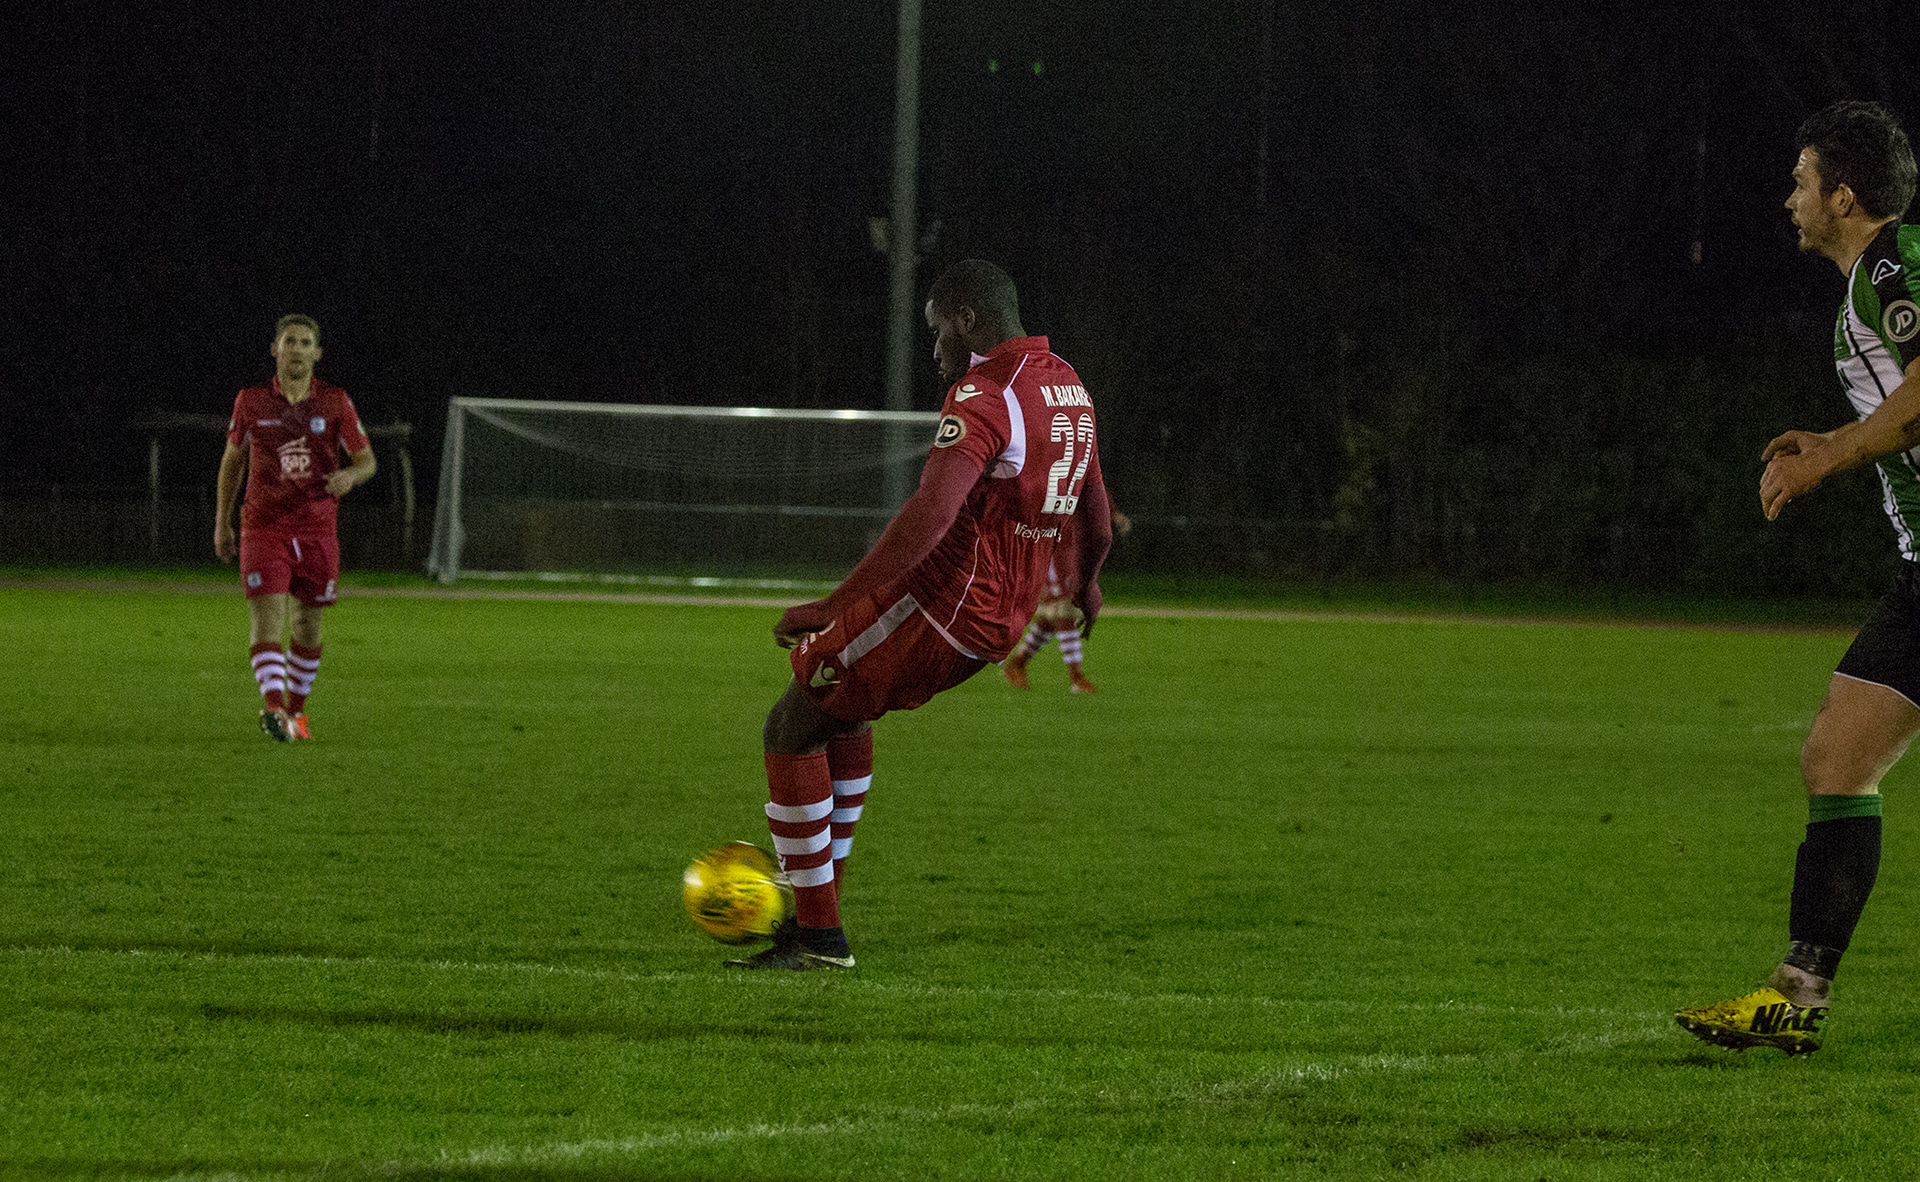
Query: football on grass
[[737, 893]]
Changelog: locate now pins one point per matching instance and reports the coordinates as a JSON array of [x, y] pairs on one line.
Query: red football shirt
[[292, 448], [1024, 414]]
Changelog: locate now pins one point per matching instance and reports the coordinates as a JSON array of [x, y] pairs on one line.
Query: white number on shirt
[[1063, 478]]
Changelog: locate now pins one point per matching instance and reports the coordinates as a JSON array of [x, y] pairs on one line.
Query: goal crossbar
[[697, 412], [542, 485]]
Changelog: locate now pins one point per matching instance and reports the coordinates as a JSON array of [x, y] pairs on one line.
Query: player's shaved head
[[989, 291], [301, 319]]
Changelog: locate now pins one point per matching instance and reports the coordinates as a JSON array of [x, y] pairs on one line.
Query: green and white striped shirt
[[1874, 339]]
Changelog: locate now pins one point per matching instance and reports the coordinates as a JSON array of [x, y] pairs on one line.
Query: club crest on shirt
[[317, 424], [1901, 320], [952, 430]]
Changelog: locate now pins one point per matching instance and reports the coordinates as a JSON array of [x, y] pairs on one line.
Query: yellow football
[[737, 893]]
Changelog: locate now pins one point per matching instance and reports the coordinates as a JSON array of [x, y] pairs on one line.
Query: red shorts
[[276, 563], [879, 657]]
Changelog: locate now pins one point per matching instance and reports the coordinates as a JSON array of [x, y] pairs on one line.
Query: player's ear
[[1843, 200]]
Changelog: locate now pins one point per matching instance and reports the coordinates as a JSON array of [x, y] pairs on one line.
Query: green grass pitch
[[1289, 898]]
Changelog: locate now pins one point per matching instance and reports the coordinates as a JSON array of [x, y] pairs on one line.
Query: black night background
[[1487, 294]]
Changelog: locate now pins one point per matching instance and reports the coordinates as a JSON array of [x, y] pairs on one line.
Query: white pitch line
[[560, 1152], [1315, 1070], [1288, 1074], [1321, 1069]]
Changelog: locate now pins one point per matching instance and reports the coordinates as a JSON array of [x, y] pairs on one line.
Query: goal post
[[539, 488]]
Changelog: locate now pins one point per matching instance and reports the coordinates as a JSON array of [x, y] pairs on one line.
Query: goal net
[[530, 487]]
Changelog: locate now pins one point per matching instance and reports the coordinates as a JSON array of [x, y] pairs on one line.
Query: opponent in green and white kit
[[1853, 183], [1875, 338]]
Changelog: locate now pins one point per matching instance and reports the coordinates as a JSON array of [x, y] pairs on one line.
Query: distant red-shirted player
[[1058, 619], [289, 435], [944, 592]]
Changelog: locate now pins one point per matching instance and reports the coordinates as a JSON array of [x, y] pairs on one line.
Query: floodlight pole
[[902, 237]]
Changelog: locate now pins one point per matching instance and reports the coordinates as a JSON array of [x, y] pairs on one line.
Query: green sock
[[1832, 808]]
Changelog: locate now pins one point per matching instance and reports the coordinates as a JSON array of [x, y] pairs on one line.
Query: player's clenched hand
[[1796, 464], [801, 621], [224, 545], [339, 483]]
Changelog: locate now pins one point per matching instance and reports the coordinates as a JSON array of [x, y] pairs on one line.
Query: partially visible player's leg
[[266, 572], [1861, 731], [266, 621], [850, 764], [800, 818], [800, 804], [1014, 668], [267, 618], [881, 657], [1055, 618], [303, 662], [313, 586], [1070, 653]]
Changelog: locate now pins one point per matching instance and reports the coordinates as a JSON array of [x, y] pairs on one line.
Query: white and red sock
[[303, 664], [270, 673], [850, 764], [1031, 641], [799, 814]]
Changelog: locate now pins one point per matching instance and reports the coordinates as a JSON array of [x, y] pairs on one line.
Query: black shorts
[[1887, 650]]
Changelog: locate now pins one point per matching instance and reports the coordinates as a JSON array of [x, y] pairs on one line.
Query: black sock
[[1832, 876]]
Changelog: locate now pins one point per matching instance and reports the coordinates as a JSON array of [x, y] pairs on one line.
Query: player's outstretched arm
[[912, 534], [1092, 537], [1799, 460]]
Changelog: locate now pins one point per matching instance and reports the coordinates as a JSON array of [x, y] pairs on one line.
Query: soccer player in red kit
[[945, 591], [289, 435]]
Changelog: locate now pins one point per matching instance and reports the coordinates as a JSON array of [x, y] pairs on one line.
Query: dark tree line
[[1360, 286]]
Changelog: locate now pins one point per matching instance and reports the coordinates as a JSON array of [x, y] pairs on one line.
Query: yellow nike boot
[[1761, 1019]]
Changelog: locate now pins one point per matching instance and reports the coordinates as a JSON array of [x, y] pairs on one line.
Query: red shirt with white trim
[[1023, 413], [292, 448]]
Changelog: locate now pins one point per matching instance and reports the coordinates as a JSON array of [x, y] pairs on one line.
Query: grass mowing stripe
[[898, 988], [1372, 614]]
